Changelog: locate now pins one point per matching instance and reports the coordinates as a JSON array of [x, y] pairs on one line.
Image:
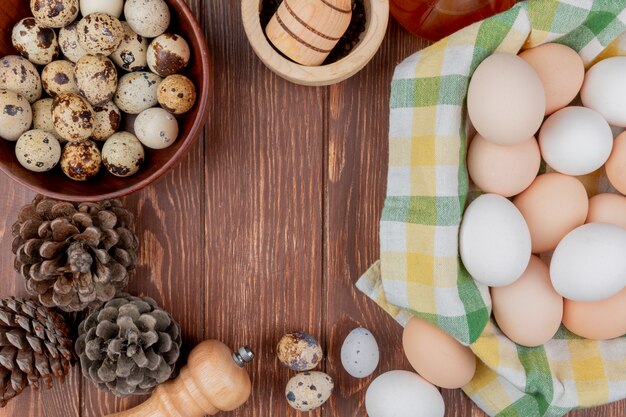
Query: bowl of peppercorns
[[353, 50]]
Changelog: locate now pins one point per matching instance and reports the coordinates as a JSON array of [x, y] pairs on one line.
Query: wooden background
[[263, 228]]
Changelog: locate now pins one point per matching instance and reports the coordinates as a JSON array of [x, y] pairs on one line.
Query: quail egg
[[54, 13], [359, 353], [110, 7], [20, 75], [42, 116], [106, 121], [96, 78], [131, 54], [15, 115], [156, 128], [99, 34], [36, 43], [137, 92], [148, 18], [168, 54], [309, 390], [81, 160], [68, 41], [299, 351], [38, 151], [177, 94], [58, 77], [72, 116], [122, 154]]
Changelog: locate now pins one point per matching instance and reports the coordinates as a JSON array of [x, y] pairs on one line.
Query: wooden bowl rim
[[188, 141], [376, 27]]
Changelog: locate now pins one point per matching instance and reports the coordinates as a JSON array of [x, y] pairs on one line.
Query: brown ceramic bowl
[[54, 183]]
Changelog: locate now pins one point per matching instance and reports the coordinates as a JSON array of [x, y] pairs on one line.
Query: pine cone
[[129, 346], [72, 255], [35, 344]]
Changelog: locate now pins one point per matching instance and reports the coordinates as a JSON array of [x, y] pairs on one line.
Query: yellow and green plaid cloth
[[420, 272]]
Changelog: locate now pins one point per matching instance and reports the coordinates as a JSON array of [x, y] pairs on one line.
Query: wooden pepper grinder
[[212, 381], [307, 30]]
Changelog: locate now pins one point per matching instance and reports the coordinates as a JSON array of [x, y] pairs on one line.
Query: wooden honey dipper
[[212, 381]]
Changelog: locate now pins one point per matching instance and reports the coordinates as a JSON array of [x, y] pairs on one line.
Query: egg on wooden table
[[523, 325], [299, 351], [20, 75], [36, 43], [494, 241], [309, 390], [589, 263], [607, 208], [436, 356], [16, 115], [604, 90], [359, 353], [403, 394]]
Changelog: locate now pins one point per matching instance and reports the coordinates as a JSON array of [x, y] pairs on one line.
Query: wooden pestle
[[212, 381], [307, 30]]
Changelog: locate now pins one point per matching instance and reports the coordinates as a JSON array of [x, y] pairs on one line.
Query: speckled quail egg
[[149, 18], [15, 115], [359, 353], [96, 78], [72, 116], [100, 34], [42, 117], [68, 41], [54, 13], [309, 390], [58, 77], [156, 128], [177, 94], [81, 160], [106, 121], [131, 54], [168, 54], [122, 154], [110, 7], [137, 92], [38, 151], [36, 43], [299, 351], [20, 75]]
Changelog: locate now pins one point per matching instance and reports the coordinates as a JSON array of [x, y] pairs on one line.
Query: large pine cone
[[72, 255], [35, 345], [129, 346]]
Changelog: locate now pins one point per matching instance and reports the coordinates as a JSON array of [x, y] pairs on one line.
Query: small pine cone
[[35, 345], [129, 346], [74, 255]]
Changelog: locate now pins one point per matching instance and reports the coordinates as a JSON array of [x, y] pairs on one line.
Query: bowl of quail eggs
[[99, 98]]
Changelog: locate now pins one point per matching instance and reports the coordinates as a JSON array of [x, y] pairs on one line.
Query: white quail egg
[[72, 116], [99, 34], [106, 121], [58, 77], [122, 154], [36, 43], [20, 75], [168, 54], [131, 54], [68, 41], [149, 18], [81, 160], [96, 78], [54, 13], [15, 115], [42, 116], [38, 151], [177, 94], [137, 92], [110, 7], [156, 128], [359, 353], [309, 390]]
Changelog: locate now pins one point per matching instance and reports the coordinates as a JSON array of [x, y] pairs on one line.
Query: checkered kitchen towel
[[420, 272]]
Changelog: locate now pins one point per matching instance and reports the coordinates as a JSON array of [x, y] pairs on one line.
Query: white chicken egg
[[604, 89]]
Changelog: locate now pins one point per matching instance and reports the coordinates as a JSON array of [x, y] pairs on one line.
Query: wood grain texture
[[263, 228]]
